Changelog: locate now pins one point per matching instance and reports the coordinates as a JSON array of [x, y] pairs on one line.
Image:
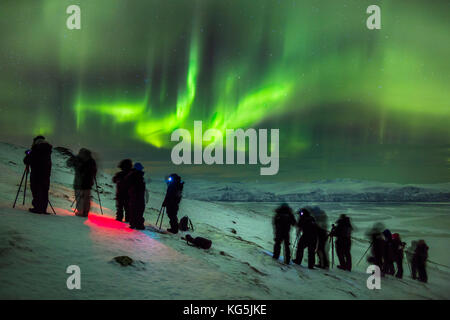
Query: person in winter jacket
[[85, 172], [419, 261], [135, 184], [321, 219], [377, 244], [121, 192], [343, 233], [282, 222], [38, 159], [388, 253], [398, 247], [172, 200], [306, 225]]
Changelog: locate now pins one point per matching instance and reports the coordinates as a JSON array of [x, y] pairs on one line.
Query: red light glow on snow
[[106, 222]]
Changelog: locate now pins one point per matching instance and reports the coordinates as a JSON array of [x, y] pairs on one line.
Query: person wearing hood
[[121, 192], [282, 222], [85, 172], [137, 194], [307, 225], [39, 160], [343, 233]]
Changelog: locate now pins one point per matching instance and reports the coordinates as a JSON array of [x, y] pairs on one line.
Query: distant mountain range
[[339, 190]]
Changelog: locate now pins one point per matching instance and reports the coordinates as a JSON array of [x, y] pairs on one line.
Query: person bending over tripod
[[282, 222], [172, 200], [39, 160], [122, 198], [85, 172], [343, 233], [307, 225]]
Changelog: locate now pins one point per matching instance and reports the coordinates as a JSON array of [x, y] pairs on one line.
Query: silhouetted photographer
[[85, 172], [282, 222], [172, 200], [122, 197], [343, 233], [38, 160]]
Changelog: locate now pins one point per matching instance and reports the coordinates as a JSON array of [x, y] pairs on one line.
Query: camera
[[28, 152]]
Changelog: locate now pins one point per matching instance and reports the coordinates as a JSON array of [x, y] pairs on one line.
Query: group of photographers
[[312, 234], [131, 193], [312, 224], [132, 196]]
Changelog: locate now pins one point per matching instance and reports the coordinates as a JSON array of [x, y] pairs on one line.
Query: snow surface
[[35, 250]]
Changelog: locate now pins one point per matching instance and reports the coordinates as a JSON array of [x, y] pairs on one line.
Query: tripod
[[160, 215], [25, 175], [73, 202], [332, 249], [296, 241], [98, 194], [365, 252]]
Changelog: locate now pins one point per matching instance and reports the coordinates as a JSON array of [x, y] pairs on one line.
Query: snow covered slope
[[35, 250]]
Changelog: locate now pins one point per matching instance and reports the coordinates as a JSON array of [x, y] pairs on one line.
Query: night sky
[[349, 102]]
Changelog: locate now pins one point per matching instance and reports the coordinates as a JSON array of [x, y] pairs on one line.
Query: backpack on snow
[[185, 224], [199, 242]]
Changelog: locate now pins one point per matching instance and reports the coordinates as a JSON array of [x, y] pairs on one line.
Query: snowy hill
[[346, 190], [35, 250]]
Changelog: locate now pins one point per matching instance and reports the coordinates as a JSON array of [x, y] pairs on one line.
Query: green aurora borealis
[[349, 102]]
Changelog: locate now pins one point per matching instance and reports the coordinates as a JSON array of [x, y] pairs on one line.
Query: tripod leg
[[73, 202], [98, 194], [365, 253], [162, 217], [25, 187], [51, 207], [332, 253], [159, 215], [20, 186], [296, 241]]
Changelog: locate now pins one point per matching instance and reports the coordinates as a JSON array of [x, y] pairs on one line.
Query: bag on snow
[[186, 224], [199, 242]]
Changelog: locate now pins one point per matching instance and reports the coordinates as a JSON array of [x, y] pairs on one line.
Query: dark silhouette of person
[[121, 192], [419, 261], [388, 253], [282, 222], [410, 253], [39, 160], [343, 233], [85, 172], [172, 200], [306, 225], [321, 219], [377, 244], [398, 247], [135, 184]]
